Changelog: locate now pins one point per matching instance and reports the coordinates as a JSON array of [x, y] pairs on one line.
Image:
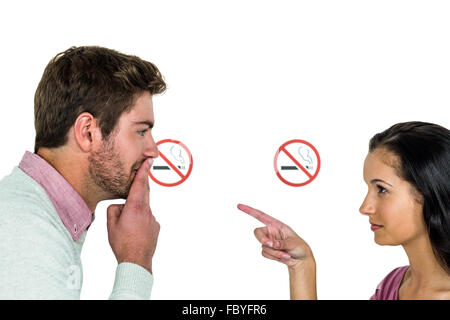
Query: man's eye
[[142, 132], [381, 189]]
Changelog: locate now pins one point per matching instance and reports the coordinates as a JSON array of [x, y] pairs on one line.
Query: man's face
[[113, 166]]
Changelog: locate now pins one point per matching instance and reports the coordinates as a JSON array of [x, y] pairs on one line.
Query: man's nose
[[151, 149], [367, 207]]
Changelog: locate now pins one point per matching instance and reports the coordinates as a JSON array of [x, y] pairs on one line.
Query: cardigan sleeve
[[132, 282]]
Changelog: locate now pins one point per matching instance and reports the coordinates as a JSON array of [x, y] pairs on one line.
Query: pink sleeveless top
[[388, 288]]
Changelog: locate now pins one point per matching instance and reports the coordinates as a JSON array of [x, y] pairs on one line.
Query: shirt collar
[[71, 208]]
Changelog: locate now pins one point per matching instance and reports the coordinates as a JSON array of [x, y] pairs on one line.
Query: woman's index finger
[[259, 215]]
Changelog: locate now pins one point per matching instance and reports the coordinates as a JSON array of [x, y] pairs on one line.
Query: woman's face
[[392, 205]]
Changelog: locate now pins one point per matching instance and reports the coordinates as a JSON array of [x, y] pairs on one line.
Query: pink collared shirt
[[71, 208]]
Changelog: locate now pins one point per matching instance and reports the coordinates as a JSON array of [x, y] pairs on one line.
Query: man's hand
[[132, 228]]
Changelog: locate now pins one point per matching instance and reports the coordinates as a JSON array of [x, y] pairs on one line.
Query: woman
[[407, 171]]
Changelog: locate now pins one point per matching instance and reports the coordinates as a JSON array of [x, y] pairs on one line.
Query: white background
[[243, 78]]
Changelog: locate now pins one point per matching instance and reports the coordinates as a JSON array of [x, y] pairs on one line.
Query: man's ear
[[86, 132]]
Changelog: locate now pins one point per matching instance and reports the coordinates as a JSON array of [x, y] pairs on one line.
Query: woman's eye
[[381, 189]]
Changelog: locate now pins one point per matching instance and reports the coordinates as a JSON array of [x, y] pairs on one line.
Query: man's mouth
[[135, 170]]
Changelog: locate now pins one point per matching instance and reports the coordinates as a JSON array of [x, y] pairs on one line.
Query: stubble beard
[[108, 172]]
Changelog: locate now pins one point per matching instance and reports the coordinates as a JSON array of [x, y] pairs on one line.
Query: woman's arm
[[281, 243], [302, 281]]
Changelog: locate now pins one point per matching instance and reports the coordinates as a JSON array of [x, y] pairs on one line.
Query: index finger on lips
[[259, 215], [140, 189]]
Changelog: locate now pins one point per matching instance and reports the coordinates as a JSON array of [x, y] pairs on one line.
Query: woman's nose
[[367, 207]]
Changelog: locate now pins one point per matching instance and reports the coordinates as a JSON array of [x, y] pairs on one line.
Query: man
[[93, 118]]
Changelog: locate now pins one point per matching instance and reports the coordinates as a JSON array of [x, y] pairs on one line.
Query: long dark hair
[[424, 153]]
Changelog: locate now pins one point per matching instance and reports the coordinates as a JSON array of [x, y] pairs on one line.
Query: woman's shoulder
[[388, 287]]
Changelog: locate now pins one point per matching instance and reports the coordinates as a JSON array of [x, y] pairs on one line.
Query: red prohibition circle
[[184, 177], [283, 149]]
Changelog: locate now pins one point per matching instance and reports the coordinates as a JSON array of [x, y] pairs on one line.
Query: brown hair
[[92, 79]]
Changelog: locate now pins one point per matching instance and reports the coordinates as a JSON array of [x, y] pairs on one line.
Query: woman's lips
[[374, 227]]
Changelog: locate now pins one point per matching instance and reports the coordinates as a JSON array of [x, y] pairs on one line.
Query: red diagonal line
[[296, 162], [171, 165]]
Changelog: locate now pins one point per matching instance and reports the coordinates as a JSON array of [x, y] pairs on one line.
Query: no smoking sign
[[297, 163], [174, 164]]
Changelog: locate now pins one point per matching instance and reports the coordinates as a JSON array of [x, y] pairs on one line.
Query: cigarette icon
[[289, 168], [165, 167], [161, 168]]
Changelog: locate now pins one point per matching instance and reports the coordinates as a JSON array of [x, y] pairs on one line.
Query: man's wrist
[[147, 266]]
